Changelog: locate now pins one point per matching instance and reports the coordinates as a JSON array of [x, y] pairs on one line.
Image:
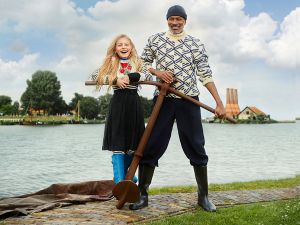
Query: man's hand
[[166, 76], [122, 82], [220, 111]]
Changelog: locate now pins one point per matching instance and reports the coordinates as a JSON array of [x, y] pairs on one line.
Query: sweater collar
[[124, 60], [176, 37]]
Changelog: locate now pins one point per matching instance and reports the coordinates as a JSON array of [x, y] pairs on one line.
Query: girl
[[124, 122]]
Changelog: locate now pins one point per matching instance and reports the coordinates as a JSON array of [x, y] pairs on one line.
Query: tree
[[147, 106], [89, 107], [15, 108], [6, 108], [5, 100], [104, 101], [43, 92], [75, 100], [60, 106]]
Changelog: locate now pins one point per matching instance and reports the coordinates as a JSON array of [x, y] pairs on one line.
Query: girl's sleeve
[[93, 76]]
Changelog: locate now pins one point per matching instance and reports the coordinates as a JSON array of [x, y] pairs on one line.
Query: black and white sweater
[[182, 55]]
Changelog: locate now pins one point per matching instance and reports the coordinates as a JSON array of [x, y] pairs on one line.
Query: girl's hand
[[122, 83], [126, 79]]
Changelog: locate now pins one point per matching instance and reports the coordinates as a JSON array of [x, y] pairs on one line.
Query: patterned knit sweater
[[182, 55]]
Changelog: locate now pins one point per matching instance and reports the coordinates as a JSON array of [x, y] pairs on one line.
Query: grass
[[284, 212], [12, 120], [46, 120], [261, 184], [270, 213]]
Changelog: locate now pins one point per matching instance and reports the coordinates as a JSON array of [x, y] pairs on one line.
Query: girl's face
[[123, 48]]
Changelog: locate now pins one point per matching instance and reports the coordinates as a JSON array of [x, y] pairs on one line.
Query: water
[[32, 158]]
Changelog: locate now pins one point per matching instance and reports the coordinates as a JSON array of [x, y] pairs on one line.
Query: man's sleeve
[[145, 74], [203, 69], [148, 55]]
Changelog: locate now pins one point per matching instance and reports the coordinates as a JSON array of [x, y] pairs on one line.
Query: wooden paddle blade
[[126, 191]]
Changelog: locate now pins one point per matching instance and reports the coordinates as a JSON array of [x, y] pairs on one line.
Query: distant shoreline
[[57, 120], [287, 121], [45, 120], [250, 121]]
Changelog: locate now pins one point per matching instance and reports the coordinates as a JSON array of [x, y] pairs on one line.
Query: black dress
[[124, 122]]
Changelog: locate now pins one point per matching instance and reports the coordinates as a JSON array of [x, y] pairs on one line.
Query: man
[[182, 57]]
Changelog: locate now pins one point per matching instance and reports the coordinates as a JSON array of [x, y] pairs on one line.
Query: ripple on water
[[32, 158]]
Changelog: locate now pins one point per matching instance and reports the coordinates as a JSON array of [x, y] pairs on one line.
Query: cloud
[[68, 61], [285, 49], [44, 15], [12, 70], [234, 41], [13, 75], [222, 25], [254, 36]]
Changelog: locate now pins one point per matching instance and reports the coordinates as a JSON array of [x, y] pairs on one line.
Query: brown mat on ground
[[56, 195]]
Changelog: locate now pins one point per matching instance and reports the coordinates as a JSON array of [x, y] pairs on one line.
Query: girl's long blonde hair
[[110, 65]]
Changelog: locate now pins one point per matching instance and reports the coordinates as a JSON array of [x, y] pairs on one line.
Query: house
[[252, 113], [36, 112]]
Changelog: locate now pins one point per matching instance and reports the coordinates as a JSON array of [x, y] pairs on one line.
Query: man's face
[[176, 24]]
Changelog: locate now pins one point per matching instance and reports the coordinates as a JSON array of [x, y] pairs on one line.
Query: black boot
[[201, 177], [145, 178]]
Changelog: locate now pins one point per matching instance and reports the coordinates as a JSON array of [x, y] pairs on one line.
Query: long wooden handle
[[174, 91], [202, 105], [178, 93], [122, 200], [145, 137]]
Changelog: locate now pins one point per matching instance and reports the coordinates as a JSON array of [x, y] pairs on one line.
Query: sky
[[253, 45]]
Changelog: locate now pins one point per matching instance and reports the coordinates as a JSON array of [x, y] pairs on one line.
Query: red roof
[[256, 110]]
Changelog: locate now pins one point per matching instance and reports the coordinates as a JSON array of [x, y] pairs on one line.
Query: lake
[[32, 158]]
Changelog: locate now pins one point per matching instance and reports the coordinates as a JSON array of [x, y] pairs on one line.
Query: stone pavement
[[159, 206]]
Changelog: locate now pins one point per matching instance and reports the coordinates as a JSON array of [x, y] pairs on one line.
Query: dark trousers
[[188, 119]]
